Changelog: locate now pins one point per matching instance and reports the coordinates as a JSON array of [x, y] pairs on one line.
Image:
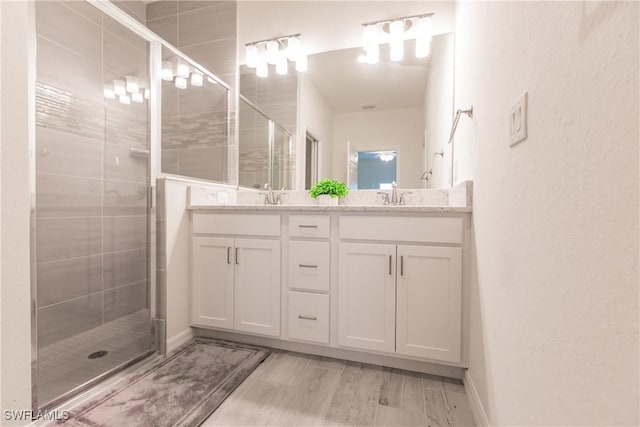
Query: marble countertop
[[339, 208]]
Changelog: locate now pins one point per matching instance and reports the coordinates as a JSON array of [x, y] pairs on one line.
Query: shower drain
[[98, 354]]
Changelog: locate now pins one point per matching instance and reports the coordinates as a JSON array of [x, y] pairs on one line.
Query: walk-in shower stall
[[98, 121]]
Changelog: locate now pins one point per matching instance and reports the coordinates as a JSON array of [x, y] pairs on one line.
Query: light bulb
[[181, 67], [373, 55], [251, 56], [282, 66], [397, 50], [132, 84], [124, 99], [167, 71], [262, 70], [424, 28], [302, 64], [181, 82], [370, 36], [293, 48], [272, 52], [197, 79], [137, 97], [108, 92], [119, 87], [396, 43]]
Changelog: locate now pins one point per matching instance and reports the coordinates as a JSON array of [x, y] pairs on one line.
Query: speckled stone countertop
[[339, 208]]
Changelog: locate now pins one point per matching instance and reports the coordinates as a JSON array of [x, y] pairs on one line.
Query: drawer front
[[309, 265], [402, 229], [236, 224], [309, 226], [309, 317]]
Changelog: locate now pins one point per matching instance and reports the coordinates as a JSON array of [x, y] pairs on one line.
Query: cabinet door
[[429, 302], [212, 282], [257, 279], [367, 296]]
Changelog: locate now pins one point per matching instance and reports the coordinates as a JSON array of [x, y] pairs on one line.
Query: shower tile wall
[[194, 120], [91, 164]]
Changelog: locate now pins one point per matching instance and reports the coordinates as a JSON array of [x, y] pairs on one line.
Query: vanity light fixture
[[119, 87], [278, 52], [181, 82], [132, 85], [395, 32], [108, 91], [124, 99], [166, 73], [137, 97], [197, 79]]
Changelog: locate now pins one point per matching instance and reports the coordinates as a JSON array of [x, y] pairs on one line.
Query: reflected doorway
[[377, 169], [311, 161]]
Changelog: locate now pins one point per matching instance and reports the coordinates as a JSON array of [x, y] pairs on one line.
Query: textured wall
[[194, 121], [554, 318]]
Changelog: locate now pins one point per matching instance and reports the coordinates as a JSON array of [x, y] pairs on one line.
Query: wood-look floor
[[292, 389]]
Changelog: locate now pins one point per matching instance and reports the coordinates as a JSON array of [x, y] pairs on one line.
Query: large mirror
[[392, 116]]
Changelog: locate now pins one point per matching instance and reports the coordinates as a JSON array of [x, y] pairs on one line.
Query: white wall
[[15, 324], [401, 129], [438, 110], [554, 317], [177, 226], [315, 117]]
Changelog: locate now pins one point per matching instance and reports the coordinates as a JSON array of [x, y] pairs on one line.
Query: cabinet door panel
[[366, 297], [257, 293], [212, 282], [429, 302]]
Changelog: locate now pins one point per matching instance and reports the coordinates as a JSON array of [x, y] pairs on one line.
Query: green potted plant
[[328, 191]]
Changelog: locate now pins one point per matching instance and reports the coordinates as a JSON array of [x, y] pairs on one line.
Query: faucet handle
[[402, 201], [385, 197]]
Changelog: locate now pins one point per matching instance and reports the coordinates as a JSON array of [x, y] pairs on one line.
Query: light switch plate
[[518, 120]]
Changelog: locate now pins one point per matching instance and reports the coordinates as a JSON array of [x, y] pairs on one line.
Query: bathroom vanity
[[385, 280]]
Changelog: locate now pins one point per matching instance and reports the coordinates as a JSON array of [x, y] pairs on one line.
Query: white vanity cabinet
[[404, 298], [389, 283], [235, 281]]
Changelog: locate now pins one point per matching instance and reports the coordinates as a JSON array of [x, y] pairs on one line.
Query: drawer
[[309, 265], [309, 226], [236, 224], [402, 229], [309, 317]]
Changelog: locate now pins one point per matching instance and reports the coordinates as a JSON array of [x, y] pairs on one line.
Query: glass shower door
[[92, 216]]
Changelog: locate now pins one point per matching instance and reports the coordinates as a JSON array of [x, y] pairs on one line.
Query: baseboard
[[479, 414], [179, 339], [337, 353]]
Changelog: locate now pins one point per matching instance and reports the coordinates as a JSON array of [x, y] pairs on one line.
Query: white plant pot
[[326, 200]]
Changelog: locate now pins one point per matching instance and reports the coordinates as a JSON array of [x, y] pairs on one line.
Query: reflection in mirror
[[403, 106], [195, 130], [377, 169], [265, 150]]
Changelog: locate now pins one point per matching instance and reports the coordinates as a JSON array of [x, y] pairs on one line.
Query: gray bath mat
[[182, 390]]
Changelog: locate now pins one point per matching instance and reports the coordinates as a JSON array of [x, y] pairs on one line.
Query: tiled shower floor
[[65, 365]]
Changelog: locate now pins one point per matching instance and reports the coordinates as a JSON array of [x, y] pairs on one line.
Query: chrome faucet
[[395, 198], [271, 197]]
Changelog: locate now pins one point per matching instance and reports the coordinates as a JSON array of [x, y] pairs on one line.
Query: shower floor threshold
[[65, 365]]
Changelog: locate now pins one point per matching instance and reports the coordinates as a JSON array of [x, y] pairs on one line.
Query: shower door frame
[[155, 60]]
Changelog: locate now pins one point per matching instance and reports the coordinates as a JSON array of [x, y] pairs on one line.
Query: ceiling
[[347, 85]]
